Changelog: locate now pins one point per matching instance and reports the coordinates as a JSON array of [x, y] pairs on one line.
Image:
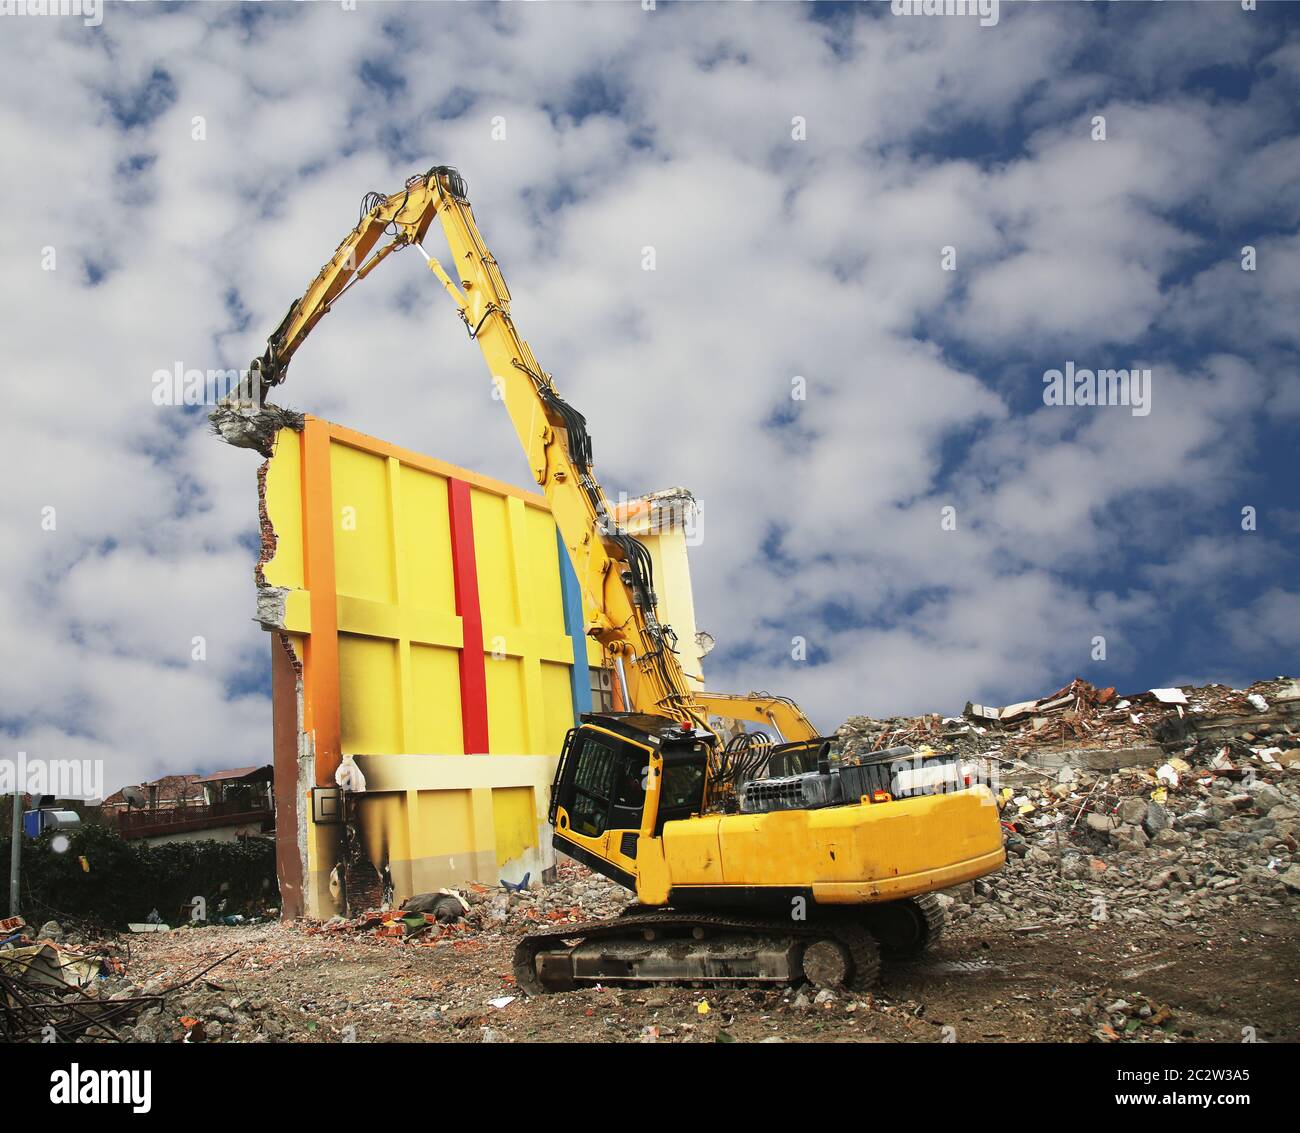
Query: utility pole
[[15, 853]]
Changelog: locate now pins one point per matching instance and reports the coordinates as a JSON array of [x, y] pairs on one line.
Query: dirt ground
[[1235, 978]]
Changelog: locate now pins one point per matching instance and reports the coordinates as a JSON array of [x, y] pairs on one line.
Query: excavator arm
[[614, 569], [404, 218], [783, 717]]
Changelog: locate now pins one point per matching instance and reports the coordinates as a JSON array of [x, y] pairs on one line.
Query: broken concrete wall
[[666, 523]]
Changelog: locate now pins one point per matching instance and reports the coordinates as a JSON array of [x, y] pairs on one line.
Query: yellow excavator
[[754, 855]]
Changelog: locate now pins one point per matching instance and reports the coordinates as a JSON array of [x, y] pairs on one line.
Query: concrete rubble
[[576, 894], [242, 422], [1168, 808], [150, 990], [57, 987], [1082, 725]]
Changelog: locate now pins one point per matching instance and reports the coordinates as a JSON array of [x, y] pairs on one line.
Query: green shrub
[[123, 881]]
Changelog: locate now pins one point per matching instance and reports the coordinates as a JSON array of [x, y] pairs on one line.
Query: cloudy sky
[[799, 171]]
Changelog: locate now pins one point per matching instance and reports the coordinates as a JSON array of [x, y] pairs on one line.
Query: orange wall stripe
[[321, 660]]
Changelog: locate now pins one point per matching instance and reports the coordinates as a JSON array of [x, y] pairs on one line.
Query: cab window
[[607, 791], [629, 790], [593, 778]]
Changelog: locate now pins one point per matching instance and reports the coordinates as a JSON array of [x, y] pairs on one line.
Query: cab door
[[597, 801]]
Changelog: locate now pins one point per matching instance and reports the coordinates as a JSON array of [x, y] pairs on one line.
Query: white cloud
[[775, 258]]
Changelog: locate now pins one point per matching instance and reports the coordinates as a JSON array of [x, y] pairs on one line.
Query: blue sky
[[777, 258]]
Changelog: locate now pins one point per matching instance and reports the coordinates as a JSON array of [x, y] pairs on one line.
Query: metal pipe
[[15, 853], [622, 682], [771, 719]]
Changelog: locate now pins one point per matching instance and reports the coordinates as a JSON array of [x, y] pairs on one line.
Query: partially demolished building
[[429, 656]]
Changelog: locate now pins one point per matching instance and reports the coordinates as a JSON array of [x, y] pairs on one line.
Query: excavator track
[[642, 946], [908, 928]]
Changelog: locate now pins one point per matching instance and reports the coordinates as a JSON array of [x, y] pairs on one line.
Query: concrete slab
[[1097, 758]]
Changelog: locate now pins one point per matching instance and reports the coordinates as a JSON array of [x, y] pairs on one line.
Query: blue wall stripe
[[574, 625]]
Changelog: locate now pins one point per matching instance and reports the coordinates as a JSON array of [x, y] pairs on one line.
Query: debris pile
[[1162, 808], [53, 992], [575, 895], [1214, 828], [209, 1012], [1181, 859], [431, 931], [1122, 1019], [1080, 717]]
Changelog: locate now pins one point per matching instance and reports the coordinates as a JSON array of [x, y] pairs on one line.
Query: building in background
[[669, 522], [221, 807], [166, 793]]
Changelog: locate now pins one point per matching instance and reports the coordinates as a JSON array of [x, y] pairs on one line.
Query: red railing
[[146, 823]]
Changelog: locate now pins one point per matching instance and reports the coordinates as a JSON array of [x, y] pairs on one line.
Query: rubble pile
[[1130, 847], [1206, 819], [576, 894], [1081, 717], [55, 987], [104, 990], [210, 1013], [471, 924]]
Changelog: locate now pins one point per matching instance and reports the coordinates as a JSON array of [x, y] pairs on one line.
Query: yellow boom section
[[777, 713]]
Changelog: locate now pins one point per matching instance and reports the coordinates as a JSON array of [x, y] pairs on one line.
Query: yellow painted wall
[[434, 814]]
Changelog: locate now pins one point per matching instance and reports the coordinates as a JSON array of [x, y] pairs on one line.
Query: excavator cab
[[599, 795]]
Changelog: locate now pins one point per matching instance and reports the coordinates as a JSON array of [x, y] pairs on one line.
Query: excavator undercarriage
[[661, 945], [647, 945]]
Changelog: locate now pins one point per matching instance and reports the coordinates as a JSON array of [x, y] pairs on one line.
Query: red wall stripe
[[473, 671]]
